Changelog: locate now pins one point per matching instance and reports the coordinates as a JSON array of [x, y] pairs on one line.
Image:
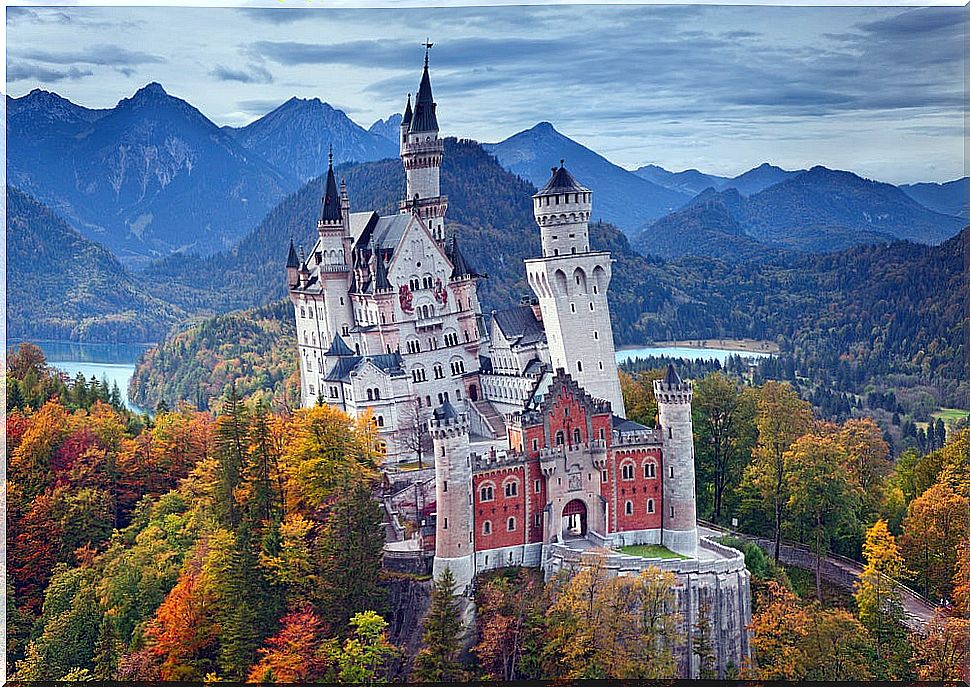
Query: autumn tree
[[961, 581], [941, 652], [413, 429], [438, 659], [638, 398], [879, 603], [298, 652], [868, 460], [821, 500], [782, 417], [364, 657], [724, 433], [937, 521], [511, 620]]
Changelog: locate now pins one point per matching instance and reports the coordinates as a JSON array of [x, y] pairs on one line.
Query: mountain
[[621, 197], [146, 178], [951, 198], [63, 286], [690, 181], [297, 136], [758, 179], [389, 128], [820, 210]]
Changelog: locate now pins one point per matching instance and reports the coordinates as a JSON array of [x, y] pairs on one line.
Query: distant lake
[[116, 362], [684, 353]]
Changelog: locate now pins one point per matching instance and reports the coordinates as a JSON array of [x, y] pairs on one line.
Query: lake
[[685, 353], [114, 361]]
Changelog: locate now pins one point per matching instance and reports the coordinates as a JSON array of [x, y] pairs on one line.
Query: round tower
[[679, 517], [453, 485]]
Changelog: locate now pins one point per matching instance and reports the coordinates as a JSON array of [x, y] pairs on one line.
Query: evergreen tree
[[232, 426], [438, 659], [704, 641]]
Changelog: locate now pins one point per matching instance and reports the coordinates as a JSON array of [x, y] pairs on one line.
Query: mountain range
[[693, 182]]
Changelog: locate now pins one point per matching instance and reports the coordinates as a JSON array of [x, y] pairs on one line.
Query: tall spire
[[408, 113], [291, 259], [424, 106], [331, 199]]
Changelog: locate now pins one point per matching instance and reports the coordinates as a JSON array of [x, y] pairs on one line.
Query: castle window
[[629, 507], [370, 395], [511, 525], [487, 493], [414, 283], [601, 364], [577, 436], [538, 486], [555, 251], [591, 305], [671, 510], [560, 438], [650, 470], [573, 250], [487, 527], [579, 365], [312, 392], [457, 394], [380, 420], [382, 447], [670, 471], [333, 392], [538, 520], [446, 524], [602, 434], [346, 330], [670, 432], [535, 444], [444, 486], [650, 506], [627, 471], [511, 489], [302, 313], [341, 300], [604, 476], [596, 334], [438, 372], [572, 307]]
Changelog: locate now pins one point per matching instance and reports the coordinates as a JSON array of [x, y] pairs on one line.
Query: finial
[[330, 155], [427, 48], [562, 163]]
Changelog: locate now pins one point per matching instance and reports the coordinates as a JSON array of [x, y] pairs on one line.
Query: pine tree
[[704, 641], [438, 660], [232, 426]]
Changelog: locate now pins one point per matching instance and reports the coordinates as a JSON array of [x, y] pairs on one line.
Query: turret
[[421, 152], [571, 283], [333, 227], [292, 267], [453, 484], [679, 517]]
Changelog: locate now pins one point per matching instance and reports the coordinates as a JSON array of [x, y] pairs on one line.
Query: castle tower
[[421, 152], [679, 517], [453, 484], [571, 282], [332, 255]]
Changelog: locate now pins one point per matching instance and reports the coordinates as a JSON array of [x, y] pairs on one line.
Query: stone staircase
[[490, 419]]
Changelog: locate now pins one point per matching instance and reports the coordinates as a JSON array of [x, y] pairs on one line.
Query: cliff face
[[409, 598]]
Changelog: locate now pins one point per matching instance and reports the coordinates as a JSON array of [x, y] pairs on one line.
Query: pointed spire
[[292, 260], [381, 282], [424, 106], [408, 114], [461, 266], [338, 347], [671, 378], [331, 199]]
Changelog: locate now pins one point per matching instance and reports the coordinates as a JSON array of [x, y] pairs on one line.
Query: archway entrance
[[473, 392], [574, 519]]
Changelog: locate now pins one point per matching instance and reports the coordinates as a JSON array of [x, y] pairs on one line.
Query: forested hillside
[[62, 286]]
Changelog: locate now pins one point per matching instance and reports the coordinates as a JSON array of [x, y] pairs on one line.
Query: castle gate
[[574, 519]]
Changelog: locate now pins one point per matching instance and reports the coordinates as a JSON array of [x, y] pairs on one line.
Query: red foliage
[[297, 653]]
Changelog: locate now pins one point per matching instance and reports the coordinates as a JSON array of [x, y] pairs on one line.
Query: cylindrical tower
[[453, 484], [679, 497]]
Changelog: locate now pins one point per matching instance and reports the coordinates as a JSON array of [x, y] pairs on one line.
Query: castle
[[535, 463]]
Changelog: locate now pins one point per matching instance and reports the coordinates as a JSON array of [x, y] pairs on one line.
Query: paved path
[[838, 570]]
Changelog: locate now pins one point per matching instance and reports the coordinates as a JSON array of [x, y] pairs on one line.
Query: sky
[[875, 90]]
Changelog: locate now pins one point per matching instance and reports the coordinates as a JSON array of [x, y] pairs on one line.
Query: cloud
[[920, 24], [102, 54], [281, 15], [254, 73], [22, 71]]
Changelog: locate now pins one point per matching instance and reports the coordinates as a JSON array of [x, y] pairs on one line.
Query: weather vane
[[427, 48]]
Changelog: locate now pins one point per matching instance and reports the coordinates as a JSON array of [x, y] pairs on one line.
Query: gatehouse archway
[[574, 519]]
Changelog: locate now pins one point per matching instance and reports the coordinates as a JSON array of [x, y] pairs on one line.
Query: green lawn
[[951, 416], [649, 551]]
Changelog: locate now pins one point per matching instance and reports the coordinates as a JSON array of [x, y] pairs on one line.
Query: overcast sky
[[878, 91]]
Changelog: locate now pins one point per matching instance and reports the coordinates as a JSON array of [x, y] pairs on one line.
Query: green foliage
[[438, 659]]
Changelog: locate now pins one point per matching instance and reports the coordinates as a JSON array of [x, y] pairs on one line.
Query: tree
[[821, 501], [638, 398], [230, 438], [413, 429], [879, 602], [364, 656], [942, 651], [298, 652], [350, 563], [782, 417], [961, 582], [511, 620], [869, 463], [438, 659], [704, 647], [935, 524], [725, 432]]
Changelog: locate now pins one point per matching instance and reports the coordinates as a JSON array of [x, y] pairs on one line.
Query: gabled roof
[[338, 347], [424, 106], [519, 325], [330, 210], [384, 232], [390, 363], [560, 182]]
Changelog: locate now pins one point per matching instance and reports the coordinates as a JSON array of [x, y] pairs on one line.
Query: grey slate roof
[[384, 232], [519, 325], [671, 378], [292, 260], [461, 266], [391, 363], [622, 425], [560, 182], [330, 211], [381, 282], [445, 411], [338, 347], [424, 106], [406, 119]]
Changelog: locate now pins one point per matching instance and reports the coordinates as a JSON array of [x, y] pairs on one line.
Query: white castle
[[534, 461]]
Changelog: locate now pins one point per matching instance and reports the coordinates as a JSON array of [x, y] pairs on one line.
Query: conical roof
[[381, 282], [561, 181], [330, 212], [424, 107], [292, 260], [445, 411], [671, 378], [461, 266], [408, 113]]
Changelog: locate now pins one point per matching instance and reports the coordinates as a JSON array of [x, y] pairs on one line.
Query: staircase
[[490, 419]]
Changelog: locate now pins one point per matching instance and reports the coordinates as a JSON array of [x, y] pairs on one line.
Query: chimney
[[536, 310]]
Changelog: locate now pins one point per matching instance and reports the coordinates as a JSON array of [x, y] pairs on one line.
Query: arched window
[[577, 436], [511, 524], [579, 365], [487, 493], [627, 471], [650, 506], [487, 527], [649, 469], [511, 488], [629, 507], [377, 394], [560, 439], [370, 394]]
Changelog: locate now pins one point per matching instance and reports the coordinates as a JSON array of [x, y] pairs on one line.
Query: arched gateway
[[574, 519]]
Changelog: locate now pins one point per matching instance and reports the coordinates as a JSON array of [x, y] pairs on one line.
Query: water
[[116, 362], [685, 353]]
